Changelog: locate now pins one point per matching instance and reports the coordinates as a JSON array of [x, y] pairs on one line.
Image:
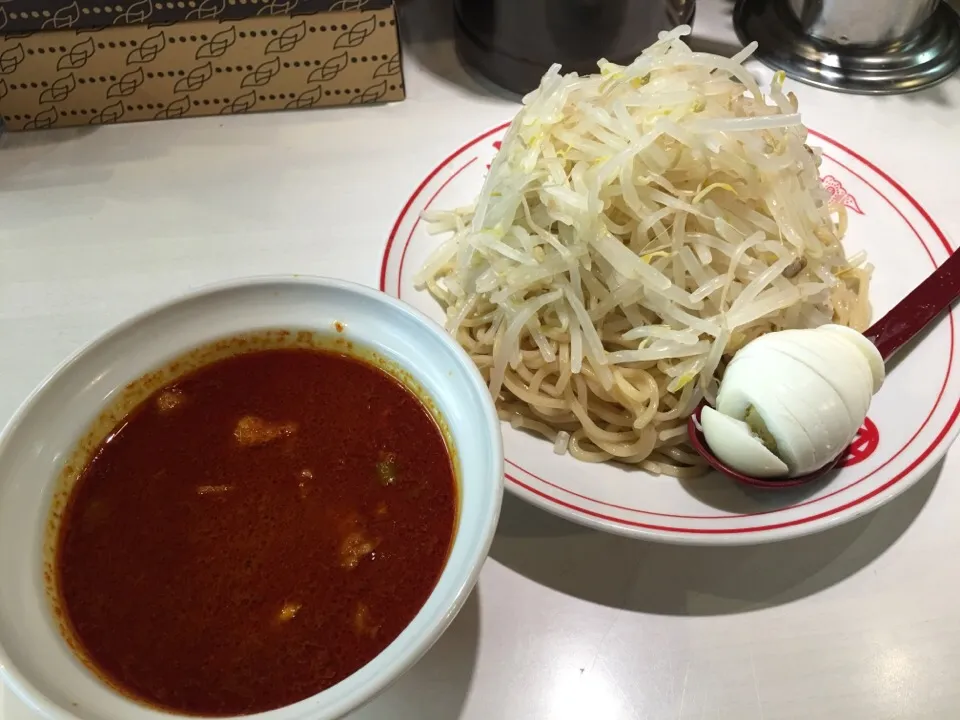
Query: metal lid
[[928, 55]]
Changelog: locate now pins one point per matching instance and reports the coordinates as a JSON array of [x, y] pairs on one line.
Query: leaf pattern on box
[[241, 104], [306, 99], [262, 75], [357, 34], [3, 88], [390, 67], [278, 7], [372, 94], [207, 10], [138, 12], [110, 114], [127, 84], [347, 5], [43, 120], [77, 56], [148, 50], [10, 59], [3, 17], [59, 90], [63, 18], [218, 44], [178, 108], [287, 40], [330, 69], [194, 79]]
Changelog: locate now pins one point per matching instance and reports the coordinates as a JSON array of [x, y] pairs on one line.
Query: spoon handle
[[916, 310]]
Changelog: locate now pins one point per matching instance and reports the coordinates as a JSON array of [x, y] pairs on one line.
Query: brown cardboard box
[[26, 16], [125, 73]]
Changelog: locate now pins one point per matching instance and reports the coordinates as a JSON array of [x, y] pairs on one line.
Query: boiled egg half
[[792, 401]]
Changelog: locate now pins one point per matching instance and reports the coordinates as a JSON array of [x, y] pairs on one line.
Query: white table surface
[[859, 622]]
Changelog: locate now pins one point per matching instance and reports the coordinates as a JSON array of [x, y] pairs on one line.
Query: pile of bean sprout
[[635, 229]]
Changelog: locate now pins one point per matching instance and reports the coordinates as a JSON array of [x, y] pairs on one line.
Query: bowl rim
[[24, 689]]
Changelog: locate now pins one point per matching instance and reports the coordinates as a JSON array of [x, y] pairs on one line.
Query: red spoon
[[889, 334]]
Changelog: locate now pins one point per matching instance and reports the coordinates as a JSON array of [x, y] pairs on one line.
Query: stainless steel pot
[[513, 42], [859, 46]]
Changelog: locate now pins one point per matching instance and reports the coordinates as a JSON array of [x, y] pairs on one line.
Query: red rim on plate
[[462, 159]]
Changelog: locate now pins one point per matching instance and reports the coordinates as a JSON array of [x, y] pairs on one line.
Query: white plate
[[912, 421]]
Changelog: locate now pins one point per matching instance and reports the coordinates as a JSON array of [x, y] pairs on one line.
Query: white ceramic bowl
[[34, 659]]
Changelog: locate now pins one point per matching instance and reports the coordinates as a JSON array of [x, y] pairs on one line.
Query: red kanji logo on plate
[[864, 443]]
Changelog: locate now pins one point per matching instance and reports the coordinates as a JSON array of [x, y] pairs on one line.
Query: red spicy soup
[[255, 532]]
